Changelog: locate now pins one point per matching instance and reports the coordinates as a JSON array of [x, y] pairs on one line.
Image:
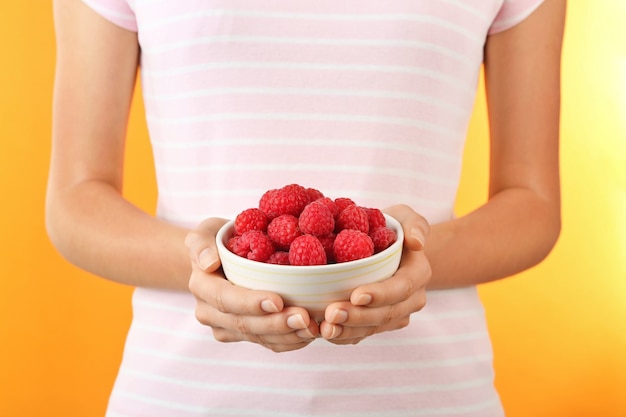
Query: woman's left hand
[[386, 305]]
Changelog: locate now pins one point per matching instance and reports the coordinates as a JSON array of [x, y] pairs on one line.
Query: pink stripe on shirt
[[362, 99]]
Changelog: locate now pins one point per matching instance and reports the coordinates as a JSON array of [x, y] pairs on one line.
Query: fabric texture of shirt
[[363, 99]]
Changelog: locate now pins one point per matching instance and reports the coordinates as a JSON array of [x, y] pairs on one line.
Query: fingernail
[[363, 300], [338, 316], [305, 334], [206, 258], [268, 306], [336, 332], [296, 322], [417, 235]]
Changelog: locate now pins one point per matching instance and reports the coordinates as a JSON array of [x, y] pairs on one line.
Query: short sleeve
[[513, 12], [118, 12]]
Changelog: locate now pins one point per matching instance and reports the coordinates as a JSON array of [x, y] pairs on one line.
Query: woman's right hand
[[238, 314]]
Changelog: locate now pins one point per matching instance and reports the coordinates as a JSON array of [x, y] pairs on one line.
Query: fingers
[[218, 293], [201, 244], [344, 335], [414, 226], [235, 313], [381, 306], [239, 314], [277, 344], [288, 330], [348, 324], [291, 325], [213, 289], [349, 315], [412, 276]]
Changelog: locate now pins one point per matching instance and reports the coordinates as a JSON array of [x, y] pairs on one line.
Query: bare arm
[[95, 228], [87, 218], [520, 223]]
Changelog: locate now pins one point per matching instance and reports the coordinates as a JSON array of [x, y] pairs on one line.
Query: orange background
[[559, 330]]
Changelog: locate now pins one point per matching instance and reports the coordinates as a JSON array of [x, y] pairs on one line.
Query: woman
[[368, 100]]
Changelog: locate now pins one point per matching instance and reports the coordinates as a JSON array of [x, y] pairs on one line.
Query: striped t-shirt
[[367, 99]]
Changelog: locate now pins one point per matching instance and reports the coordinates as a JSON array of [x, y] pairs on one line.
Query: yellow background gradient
[[559, 330]]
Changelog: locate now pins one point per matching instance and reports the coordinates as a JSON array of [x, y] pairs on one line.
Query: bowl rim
[[224, 252]]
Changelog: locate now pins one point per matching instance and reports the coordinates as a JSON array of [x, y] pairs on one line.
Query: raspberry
[[278, 258], [294, 225], [314, 194], [328, 202], [250, 219], [266, 201], [375, 217], [316, 219], [327, 243], [351, 245], [343, 202], [291, 199], [230, 243], [353, 217], [382, 237], [307, 250], [254, 245], [282, 230]]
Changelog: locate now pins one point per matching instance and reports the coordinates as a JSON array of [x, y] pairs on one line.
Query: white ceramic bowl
[[311, 287]]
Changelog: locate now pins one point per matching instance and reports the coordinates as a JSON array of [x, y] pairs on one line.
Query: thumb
[[414, 226], [200, 243], [207, 260]]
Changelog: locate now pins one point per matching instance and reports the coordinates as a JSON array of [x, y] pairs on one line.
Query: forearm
[[520, 223], [96, 229], [515, 230], [87, 218]]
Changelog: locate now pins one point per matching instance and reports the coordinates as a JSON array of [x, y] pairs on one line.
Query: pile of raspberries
[[294, 225]]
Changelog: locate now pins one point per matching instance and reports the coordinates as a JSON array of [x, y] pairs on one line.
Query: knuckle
[[195, 285], [192, 285], [222, 335], [388, 317], [241, 325], [420, 301], [428, 270], [202, 316], [404, 322], [219, 302]]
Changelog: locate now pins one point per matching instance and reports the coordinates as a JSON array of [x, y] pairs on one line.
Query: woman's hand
[[386, 305], [238, 314]]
